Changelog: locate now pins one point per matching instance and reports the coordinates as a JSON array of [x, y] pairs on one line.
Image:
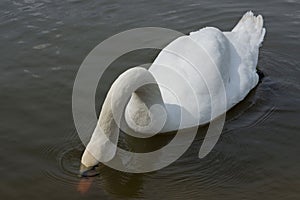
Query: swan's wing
[[250, 28], [194, 69], [245, 40], [207, 61]]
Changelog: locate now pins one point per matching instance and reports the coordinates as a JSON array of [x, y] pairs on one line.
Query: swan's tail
[[253, 26]]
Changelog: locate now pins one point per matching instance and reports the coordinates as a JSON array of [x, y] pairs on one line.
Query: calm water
[[43, 43]]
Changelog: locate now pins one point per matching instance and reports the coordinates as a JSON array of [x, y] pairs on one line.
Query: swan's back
[[197, 64], [200, 59]]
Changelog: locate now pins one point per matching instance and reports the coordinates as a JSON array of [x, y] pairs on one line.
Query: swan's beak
[[88, 171]]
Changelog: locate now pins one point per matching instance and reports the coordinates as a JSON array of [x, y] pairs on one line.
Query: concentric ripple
[[67, 156]]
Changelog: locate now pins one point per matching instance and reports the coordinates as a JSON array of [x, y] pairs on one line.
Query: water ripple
[[67, 156]]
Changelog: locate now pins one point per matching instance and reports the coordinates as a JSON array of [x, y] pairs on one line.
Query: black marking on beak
[[88, 171]]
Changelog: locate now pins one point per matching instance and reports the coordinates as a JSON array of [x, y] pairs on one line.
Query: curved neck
[[136, 91]]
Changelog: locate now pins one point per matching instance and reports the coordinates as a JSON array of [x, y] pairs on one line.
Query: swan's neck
[[137, 91]]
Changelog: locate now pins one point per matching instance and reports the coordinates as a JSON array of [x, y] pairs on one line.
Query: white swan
[[200, 59]]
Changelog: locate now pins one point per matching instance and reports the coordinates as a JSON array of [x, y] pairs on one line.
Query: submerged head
[[88, 165]]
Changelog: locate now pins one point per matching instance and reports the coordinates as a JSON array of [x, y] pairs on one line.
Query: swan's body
[[207, 60]]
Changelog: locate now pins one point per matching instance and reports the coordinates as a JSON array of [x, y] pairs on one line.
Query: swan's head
[[88, 165]]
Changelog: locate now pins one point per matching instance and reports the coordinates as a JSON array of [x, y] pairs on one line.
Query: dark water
[[43, 43]]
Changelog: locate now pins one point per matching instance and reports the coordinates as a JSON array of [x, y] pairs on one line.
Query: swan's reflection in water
[[121, 184]]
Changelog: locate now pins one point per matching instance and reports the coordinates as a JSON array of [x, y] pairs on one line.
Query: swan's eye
[[90, 172]]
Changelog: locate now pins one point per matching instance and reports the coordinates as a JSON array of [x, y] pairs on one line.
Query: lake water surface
[[44, 42]]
